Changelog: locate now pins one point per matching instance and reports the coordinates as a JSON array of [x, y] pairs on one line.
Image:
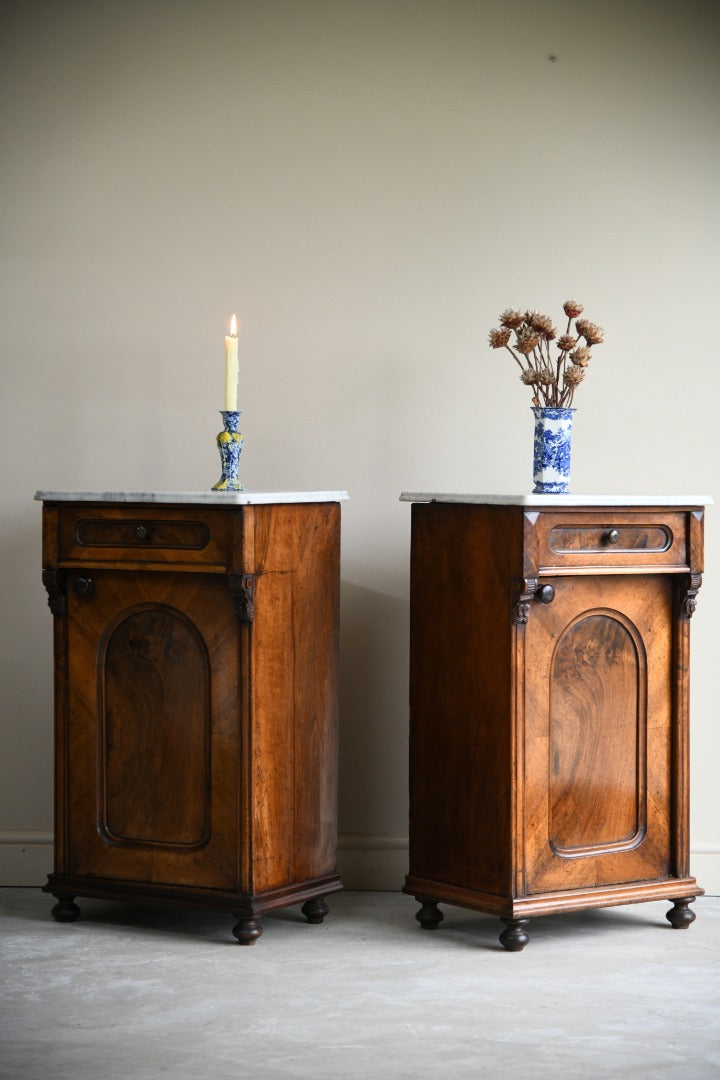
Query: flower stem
[[516, 358]]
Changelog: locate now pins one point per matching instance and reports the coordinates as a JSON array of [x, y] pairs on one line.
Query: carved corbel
[[523, 595], [688, 598], [54, 582], [242, 587]]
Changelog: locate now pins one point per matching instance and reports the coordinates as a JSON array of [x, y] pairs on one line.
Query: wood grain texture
[[154, 685], [460, 694], [131, 769], [587, 539], [597, 736], [551, 902], [101, 534], [272, 747], [196, 704], [598, 733], [549, 706], [294, 665]]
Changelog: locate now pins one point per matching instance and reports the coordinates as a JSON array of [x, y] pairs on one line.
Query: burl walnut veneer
[[549, 705], [196, 653]]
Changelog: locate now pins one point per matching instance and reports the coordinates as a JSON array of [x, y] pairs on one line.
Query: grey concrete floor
[[150, 992]]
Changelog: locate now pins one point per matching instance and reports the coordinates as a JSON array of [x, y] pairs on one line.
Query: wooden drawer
[[147, 534], [613, 539]]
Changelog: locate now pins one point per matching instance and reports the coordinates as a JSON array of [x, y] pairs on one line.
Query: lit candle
[[231, 366]]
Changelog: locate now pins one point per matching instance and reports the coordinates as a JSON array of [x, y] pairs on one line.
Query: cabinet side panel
[[316, 616], [294, 693], [55, 586], [272, 733], [461, 694]]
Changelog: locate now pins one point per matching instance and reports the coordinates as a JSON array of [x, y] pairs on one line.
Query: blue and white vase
[[551, 452], [230, 444]]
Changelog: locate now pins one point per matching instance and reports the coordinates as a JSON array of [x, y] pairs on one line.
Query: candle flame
[[233, 326]]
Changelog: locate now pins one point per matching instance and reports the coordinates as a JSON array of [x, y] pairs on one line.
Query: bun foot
[[315, 910], [680, 916], [514, 937], [66, 911], [247, 931], [429, 916]]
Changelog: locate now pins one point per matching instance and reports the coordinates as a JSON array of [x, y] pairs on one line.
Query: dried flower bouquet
[[554, 380]]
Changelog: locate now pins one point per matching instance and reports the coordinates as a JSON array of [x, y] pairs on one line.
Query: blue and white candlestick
[[551, 450], [230, 444]]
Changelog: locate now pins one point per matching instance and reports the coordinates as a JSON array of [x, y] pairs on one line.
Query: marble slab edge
[[559, 500], [194, 498]]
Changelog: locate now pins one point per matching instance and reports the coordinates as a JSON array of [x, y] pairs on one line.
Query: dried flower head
[[592, 333], [574, 376], [572, 309], [512, 318], [499, 338], [527, 339], [553, 378], [542, 323], [547, 377], [581, 356]]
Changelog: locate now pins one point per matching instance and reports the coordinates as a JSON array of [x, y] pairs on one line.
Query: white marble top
[[559, 500], [196, 498]]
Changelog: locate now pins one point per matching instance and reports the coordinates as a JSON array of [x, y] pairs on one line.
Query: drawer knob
[[142, 532], [83, 586], [613, 537], [545, 594]]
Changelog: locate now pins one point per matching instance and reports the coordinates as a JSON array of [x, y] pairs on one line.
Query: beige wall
[[368, 184]]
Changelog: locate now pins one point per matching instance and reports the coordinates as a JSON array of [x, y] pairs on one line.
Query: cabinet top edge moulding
[[194, 498], [542, 501]]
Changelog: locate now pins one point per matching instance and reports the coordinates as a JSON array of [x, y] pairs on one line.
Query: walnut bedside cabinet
[[549, 656], [196, 650]]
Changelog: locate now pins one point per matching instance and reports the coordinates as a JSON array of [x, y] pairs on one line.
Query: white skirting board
[[380, 863], [26, 858], [366, 863], [705, 866], [374, 863]]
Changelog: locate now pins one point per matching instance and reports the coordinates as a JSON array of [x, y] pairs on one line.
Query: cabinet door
[[598, 738], [152, 749]]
